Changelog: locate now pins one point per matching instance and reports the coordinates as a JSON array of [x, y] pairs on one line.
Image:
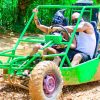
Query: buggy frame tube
[[6, 51], [22, 34], [33, 58], [64, 6], [71, 39]]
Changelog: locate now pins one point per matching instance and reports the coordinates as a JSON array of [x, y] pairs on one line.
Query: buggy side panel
[[82, 73]]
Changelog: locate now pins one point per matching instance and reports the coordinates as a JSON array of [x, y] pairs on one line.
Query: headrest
[[94, 24]]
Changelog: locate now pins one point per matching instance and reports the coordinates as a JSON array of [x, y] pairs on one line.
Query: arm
[[44, 28], [73, 45], [70, 28], [79, 29], [85, 27], [38, 24]]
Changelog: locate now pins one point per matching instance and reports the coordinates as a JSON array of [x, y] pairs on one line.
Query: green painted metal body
[[82, 73]]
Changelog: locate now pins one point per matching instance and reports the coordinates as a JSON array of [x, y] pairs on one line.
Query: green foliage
[[45, 15], [97, 1], [8, 9], [14, 14]]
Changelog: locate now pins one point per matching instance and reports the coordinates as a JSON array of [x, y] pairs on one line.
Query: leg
[[50, 50], [76, 59], [80, 58], [57, 59], [35, 49]]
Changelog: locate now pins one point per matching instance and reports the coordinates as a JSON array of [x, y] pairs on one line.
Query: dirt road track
[[89, 91]]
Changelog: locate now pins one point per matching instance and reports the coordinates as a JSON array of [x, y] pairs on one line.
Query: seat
[[97, 35]]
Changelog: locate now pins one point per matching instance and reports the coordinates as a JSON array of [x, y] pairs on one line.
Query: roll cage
[[48, 40]]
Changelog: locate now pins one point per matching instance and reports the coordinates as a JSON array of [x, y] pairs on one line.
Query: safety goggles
[[74, 21]]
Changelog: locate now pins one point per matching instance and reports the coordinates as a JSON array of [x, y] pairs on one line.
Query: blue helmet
[[59, 18]]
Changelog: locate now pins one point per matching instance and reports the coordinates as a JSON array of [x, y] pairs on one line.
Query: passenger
[[85, 40], [47, 30], [83, 46]]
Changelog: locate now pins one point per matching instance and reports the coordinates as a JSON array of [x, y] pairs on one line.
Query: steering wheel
[[64, 30]]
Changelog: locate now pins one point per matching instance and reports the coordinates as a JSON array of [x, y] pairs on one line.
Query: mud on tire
[[45, 82]]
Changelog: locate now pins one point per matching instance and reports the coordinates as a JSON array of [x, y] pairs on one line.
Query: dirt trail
[[89, 91]]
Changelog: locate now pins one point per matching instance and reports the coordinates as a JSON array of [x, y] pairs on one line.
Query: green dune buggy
[[47, 79]]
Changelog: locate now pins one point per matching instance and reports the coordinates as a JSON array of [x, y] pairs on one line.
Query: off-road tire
[[37, 78]]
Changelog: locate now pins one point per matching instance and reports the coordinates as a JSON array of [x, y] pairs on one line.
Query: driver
[[85, 40], [47, 30]]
